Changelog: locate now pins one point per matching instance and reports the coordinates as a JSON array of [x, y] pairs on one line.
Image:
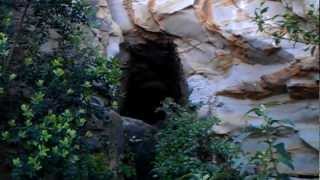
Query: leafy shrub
[[45, 144], [127, 166], [45, 98], [185, 149], [267, 160]]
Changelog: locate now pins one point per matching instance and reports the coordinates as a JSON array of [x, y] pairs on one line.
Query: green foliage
[[45, 97], [187, 150], [5, 14], [127, 170], [184, 149], [127, 166], [3, 54], [290, 26], [275, 153], [93, 166], [44, 144], [49, 125], [107, 71], [3, 45]]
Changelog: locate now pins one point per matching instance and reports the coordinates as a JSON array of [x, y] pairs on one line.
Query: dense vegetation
[[188, 149], [185, 149], [45, 97]]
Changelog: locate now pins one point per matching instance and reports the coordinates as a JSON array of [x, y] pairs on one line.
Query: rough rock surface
[[230, 67], [140, 140], [114, 135], [107, 133]]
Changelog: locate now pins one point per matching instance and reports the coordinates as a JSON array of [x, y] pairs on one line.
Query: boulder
[[140, 140], [116, 135], [106, 132]]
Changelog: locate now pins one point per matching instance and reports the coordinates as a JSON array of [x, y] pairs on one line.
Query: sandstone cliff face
[[229, 66]]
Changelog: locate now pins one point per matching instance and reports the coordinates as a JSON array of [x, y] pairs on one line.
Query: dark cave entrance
[[152, 72]]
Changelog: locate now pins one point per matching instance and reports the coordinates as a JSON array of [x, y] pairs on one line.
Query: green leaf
[[45, 136], [283, 155], [58, 72], [22, 134], [40, 83], [34, 162], [5, 135], [259, 111], [37, 98], [12, 123], [264, 10], [28, 61], [12, 76], [57, 62], [27, 111], [16, 162]]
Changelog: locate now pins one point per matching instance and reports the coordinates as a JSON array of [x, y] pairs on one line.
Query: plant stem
[[17, 35]]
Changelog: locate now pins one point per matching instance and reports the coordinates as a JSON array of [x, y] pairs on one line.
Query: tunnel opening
[[152, 73]]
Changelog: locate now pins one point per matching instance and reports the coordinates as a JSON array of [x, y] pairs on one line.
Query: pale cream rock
[[120, 14], [142, 16], [184, 24], [167, 7]]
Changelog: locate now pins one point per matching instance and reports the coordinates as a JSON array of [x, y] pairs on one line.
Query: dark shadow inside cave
[[152, 73]]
